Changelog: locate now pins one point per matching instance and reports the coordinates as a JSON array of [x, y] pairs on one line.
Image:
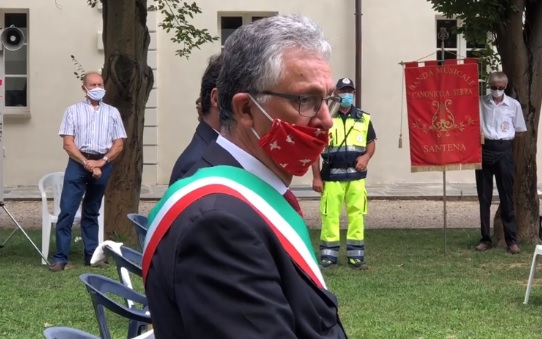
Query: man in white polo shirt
[[501, 119]]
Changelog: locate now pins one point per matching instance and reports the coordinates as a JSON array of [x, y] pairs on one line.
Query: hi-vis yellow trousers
[[354, 194]]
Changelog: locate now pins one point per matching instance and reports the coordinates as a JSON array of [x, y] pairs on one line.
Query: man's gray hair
[[253, 56], [496, 76]]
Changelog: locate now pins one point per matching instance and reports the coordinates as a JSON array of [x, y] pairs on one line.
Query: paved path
[[375, 191], [390, 206], [382, 214]]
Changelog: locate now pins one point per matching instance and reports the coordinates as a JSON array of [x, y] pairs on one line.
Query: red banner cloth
[[443, 115]]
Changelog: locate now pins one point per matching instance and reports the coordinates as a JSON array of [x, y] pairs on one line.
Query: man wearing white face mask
[[501, 119], [92, 133]]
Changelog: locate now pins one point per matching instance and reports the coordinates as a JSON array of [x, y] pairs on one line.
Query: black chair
[[98, 287], [140, 223], [128, 259], [59, 332]]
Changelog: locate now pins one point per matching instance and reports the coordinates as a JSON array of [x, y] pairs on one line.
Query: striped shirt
[[94, 130]]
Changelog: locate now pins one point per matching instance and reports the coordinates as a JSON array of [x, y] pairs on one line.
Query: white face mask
[[497, 93], [96, 94]]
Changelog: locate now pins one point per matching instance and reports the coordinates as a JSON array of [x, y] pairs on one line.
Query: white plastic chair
[[537, 252], [55, 181]]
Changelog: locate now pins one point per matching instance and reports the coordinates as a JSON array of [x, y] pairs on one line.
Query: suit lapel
[[206, 132]]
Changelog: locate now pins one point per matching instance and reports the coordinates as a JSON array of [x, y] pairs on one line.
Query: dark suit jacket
[[221, 273], [202, 138]]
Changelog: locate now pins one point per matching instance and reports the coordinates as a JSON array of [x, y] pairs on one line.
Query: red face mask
[[294, 148]]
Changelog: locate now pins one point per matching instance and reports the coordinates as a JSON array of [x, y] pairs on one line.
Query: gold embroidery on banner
[[443, 121]]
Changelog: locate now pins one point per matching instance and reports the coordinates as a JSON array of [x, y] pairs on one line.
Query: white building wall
[[393, 31], [150, 131], [32, 144]]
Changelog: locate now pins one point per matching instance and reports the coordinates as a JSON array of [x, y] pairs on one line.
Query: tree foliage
[[514, 28], [176, 17]]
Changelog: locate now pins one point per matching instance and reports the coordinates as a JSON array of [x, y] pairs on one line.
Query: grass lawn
[[412, 290]]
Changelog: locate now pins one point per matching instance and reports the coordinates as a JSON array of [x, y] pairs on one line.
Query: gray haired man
[[501, 120], [226, 267]]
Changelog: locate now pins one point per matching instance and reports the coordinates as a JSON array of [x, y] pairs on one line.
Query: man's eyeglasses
[[495, 88], [309, 105]]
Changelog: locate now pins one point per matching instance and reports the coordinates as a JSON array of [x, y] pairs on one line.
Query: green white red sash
[[283, 220]]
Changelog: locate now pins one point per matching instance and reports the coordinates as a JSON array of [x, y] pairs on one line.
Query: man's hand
[[90, 165], [96, 173], [317, 185], [361, 163]]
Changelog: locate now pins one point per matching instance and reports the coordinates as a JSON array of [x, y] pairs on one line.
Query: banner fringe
[[449, 167]]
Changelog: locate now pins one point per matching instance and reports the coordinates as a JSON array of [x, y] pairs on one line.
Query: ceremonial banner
[[443, 115]]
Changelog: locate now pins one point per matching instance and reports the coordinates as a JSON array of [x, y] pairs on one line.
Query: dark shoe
[[483, 246], [102, 264], [326, 263], [357, 264], [513, 249], [57, 267]]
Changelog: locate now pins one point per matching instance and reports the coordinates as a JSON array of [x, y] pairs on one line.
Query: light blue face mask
[[347, 99], [96, 93]]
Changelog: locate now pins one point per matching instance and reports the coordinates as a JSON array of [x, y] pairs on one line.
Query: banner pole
[[443, 35], [445, 212]]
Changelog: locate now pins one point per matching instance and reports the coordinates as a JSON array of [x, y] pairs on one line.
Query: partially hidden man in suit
[[226, 256], [208, 126]]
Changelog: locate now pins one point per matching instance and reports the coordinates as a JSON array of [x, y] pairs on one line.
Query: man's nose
[[323, 118]]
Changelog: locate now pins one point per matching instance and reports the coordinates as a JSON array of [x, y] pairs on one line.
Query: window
[[455, 46], [16, 66], [229, 22]]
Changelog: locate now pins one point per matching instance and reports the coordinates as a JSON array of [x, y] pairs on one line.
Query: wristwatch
[[106, 159]]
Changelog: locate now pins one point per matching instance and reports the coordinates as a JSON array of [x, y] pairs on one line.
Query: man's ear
[[242, 107], [214, 98]]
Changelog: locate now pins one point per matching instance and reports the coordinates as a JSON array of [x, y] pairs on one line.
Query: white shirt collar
[[505, 100], [252, 165]]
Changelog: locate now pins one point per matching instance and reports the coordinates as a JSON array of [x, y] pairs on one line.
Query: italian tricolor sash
[[283, 220]]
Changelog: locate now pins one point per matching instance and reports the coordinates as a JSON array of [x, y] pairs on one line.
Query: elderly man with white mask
[[501, 119]]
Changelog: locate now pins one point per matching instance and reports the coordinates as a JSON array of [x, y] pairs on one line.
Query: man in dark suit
[[226, 256], [209, 125]]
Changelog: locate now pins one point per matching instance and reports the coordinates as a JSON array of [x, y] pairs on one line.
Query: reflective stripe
[[328, 252], [342, 170], [330, 243], [333, 149], [354, 242], [355, 253]]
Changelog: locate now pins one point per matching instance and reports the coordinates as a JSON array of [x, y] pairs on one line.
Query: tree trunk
[[520, 48], [128, 81]]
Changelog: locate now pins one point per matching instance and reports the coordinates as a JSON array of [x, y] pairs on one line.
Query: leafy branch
[[177, 14], [478, 20], [80, 73]]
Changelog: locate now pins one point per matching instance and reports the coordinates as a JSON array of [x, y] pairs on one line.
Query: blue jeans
[[78, 182]]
